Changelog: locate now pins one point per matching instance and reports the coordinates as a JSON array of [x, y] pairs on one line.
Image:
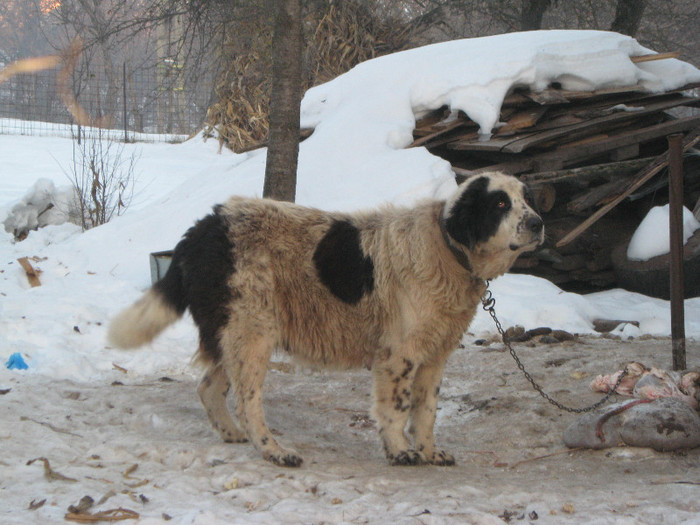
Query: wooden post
[[126, 119], [675, 195]]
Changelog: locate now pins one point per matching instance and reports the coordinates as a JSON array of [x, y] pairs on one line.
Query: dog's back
[[260, 262]]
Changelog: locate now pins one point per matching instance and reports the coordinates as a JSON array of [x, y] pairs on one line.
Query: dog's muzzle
[[532, 227]]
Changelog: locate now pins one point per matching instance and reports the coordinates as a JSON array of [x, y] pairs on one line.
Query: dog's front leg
[[393, 378], [424, 395]]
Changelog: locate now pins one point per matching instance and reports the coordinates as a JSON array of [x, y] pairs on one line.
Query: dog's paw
[[442, 459], [406, 458], [285, 458], [229, 433], [237, 438]]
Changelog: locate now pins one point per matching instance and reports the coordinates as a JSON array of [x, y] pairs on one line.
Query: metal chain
[[488, 303]]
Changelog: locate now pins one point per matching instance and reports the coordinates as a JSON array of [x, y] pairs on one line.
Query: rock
[[662, 424], [542, 330], [514, 331], [608, 325], [563, 335]]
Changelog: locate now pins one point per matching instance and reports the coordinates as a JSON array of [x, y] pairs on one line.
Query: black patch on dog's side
[[341, 265], [198, 276], [477, 214]]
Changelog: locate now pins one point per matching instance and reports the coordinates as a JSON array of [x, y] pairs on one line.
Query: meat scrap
[[652, 383]]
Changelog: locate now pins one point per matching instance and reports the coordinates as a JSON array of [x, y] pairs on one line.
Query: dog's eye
[[502, 204]]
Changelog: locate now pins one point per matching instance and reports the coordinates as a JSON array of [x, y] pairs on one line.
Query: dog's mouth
[[534, 243]]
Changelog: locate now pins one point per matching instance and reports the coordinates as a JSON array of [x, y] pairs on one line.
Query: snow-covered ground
[[66, 407]]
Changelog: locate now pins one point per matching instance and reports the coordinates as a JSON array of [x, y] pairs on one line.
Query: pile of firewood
[[596, 162]]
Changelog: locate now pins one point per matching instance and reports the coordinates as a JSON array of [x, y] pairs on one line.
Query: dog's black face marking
[[198, 276], [341, 264], [477, 214]]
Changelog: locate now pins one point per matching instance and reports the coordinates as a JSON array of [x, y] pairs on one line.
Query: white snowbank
[[43, 204], [652, 237], [353, 160]]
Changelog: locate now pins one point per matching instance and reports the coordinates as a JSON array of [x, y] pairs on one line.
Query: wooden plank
[[628, 152], [660, 163], [561, 96], [559, 159], [585, 151], [586, 173], [436, 134], [656, 56], [32, 274], [593, 196], [522, 120], [570, 132]]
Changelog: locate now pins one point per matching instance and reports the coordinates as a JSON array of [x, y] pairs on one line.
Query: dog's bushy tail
[[160, 307]]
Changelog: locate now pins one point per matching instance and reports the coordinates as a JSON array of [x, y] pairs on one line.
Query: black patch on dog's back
[[477, 214], [198, 277], [341, 264]]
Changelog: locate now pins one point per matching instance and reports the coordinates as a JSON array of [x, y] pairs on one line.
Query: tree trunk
[[532, 13], [285, 99], [628, 16]]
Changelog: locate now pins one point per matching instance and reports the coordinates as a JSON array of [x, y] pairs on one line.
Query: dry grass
[[338, 37]]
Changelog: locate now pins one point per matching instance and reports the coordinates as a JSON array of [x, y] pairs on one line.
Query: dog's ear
[[476, 214]]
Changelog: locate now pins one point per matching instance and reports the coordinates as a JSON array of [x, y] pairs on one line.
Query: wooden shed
[[596, 161]]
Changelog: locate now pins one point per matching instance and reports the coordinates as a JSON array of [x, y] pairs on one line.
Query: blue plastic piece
[[16, 362]]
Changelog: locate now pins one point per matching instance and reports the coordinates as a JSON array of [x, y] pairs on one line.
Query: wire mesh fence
[[158, 104]]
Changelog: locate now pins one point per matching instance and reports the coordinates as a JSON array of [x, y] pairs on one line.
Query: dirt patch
[[512, 465]]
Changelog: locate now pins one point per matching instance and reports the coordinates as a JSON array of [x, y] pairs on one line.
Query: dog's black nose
[[534, 224]]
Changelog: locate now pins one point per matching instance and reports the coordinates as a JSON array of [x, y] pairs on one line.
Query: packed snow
[[354, 160], [652, 237]]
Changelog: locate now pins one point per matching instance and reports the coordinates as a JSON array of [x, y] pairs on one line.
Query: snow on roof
[[474, 75], [367, 115]]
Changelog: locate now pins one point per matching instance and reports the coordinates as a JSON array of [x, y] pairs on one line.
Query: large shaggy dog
[[392, 289]]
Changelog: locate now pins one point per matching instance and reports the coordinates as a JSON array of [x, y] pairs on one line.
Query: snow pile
[[353, 160], [652, 237], [43, 204], [364, 117]]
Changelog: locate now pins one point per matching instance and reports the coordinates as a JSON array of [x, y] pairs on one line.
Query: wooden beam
[[570, 156], [660, 163], [568, 132], [586, 173], [656, 56], [32, 274]]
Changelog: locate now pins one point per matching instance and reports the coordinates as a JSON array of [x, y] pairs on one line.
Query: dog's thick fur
[[393, 289]]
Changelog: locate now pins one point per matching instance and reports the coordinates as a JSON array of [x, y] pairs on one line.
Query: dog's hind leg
[[424, 395], [247, 365], [393, 378], [213, 390]]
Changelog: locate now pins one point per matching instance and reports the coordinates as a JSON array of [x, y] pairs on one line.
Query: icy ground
[[507, 440]]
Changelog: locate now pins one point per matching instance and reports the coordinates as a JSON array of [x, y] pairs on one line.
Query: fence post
[[126, 119], [675, 198]]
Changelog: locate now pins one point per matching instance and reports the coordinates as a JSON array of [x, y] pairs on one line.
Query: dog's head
[[493, 215]]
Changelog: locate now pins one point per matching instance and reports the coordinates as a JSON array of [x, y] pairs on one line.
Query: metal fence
[[155, 105]]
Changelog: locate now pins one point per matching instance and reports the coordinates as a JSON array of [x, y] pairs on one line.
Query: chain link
[[489, 303]]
